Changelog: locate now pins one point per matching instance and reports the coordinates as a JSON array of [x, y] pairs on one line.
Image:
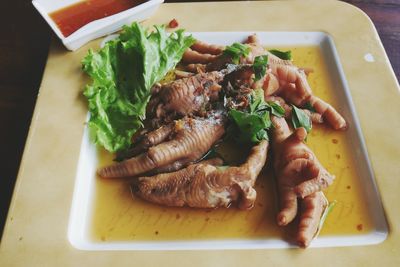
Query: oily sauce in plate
[[116, 215], [71, 18]]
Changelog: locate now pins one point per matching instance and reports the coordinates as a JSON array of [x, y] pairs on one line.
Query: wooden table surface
[[24, 43]]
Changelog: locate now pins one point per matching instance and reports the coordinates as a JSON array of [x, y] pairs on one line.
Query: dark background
[[24, 44]]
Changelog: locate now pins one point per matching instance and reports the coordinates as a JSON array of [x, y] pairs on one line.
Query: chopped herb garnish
[[235, 51], [301, 119], [260, 66], [251, 125], [285, 55]]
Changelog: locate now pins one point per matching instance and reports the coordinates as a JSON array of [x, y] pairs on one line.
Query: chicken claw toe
[[288, 203], [206, 48], [312, 209], [322, 181]]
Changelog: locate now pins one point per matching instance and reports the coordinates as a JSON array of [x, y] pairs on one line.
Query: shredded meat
[[189, 141], [206, 185]]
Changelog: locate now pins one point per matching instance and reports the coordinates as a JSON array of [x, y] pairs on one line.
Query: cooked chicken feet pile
[[185, 120], [281, 79]]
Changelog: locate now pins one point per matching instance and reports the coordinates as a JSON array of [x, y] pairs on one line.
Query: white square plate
[[85, 187]]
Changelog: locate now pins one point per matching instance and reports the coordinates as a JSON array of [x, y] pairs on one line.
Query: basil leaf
[[236, 51], [276, 109], [285, 55], [260, 66], [301, 119], [250, 127]]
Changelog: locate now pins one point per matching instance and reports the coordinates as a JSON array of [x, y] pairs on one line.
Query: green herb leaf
[[285, 55], [122, 73], [276, 109], [251, 126], [301, 119], [256, 100], [260, 66], [236, 51]]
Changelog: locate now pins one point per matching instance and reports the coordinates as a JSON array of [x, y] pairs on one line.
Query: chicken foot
[[205, 184], [184, 96], [189, 141], [299, 175], [207, 57], [290, 83]]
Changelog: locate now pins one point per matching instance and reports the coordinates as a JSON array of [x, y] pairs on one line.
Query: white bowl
[[97, 28]]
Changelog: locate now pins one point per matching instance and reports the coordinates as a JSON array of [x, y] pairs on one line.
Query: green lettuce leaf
[[122, 73]]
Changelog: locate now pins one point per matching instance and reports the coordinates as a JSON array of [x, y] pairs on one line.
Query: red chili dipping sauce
[[69, 19]]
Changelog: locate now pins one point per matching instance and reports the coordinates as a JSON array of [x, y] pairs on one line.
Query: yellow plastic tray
[[37, 224]]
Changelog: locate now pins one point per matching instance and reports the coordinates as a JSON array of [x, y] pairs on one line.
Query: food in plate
[[164, 102]]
